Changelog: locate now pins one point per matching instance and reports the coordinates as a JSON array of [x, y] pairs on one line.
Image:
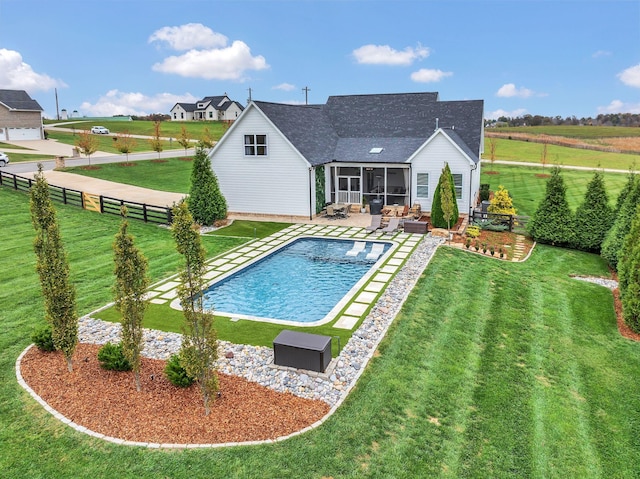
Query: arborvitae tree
[[629, 275], [501, 202], [594, 216], [612, 244], [628, 186], [129, 292], [447, 200], [199, 350], [206, 202], [437, 214], [53, 268], [553, 222]]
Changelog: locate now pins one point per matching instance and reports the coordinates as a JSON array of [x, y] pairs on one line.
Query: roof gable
[[347, 127], [18, 100]]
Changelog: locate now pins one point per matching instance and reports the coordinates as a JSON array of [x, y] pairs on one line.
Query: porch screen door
[[349, 190]]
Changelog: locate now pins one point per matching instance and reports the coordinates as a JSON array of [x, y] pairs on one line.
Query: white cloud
[[15, 74], [617, 106], [385, 55], [601, 53], [284, 87], [116, 102], [229, 63], [425, 75], [494, 115], [631, 76], [509, 90], [186, 37]]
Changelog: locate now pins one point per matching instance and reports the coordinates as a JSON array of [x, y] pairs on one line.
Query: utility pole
[[57, 110], [306, 91]]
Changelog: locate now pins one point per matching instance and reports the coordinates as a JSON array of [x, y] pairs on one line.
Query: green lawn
[[530, 152], [195, 129], [527, 189], [170, 174], [492, 369]]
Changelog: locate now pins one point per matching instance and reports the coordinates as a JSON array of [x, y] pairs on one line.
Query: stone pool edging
[[253, 362]]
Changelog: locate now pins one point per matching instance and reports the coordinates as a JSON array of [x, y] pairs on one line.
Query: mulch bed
[[625, 330], [159, 161], [127, 164], [107, 402]]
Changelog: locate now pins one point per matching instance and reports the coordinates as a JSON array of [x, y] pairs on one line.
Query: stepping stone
[[346, 322]]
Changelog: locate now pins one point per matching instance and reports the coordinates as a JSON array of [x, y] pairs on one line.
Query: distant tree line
[[604, 119]]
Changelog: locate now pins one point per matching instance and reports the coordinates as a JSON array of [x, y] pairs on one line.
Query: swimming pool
[[304, 281]]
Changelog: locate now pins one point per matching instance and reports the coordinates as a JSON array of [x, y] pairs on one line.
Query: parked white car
[[4, 159], [99, 130]]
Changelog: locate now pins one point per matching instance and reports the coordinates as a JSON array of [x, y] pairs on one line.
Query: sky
[[136, 57]]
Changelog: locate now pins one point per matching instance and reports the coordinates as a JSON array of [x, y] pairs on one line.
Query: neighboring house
[[209, 108], [20, 116], [279, 159]]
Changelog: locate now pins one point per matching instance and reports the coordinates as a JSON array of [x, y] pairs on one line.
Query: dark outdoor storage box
[[302, 350], [415, 227]]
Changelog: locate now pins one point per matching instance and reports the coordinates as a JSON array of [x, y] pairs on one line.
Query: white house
[[290, 160], [209, 108]]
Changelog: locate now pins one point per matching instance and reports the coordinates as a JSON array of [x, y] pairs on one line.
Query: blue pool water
[[302, 281]]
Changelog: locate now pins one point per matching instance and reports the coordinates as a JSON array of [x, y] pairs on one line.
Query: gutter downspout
[[310, 193], [475, 167]]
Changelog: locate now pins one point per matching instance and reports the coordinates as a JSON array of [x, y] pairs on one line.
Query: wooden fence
[[101, 204]]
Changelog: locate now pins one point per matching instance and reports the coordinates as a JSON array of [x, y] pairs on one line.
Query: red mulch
[[625, 330], [542, 175], [159, 161], [185, 158], [90, 167], [490, 172], [127, 164], [107, 402]]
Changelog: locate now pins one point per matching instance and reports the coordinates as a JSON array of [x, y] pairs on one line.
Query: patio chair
[[392, 227], [376, 221], [376, 251], [404, 212], [358, 247], [330, 212]]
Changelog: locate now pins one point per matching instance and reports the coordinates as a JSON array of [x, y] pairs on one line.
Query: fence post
[[144, 212], [101, 204]]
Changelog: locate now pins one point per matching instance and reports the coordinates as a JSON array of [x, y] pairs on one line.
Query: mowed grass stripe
[[499, 439], [429, 394]]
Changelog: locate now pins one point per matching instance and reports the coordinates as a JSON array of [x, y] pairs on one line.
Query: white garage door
[[3, 134], [17, 134]]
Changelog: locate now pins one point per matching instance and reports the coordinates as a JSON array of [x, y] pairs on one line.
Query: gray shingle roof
[[347, 127], [18, 100]]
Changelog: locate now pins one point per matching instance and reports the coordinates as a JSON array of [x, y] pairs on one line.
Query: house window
[[422, 185], [175, 116], [457, 183], [255, 145], [182, 115], [210, 114]]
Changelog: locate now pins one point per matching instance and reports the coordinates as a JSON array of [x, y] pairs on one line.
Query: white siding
[[276, 184], [431, 160]]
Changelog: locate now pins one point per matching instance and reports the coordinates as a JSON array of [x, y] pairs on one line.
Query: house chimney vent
[[437, 120]]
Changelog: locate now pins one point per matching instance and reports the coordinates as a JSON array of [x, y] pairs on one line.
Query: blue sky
[[560, 57]]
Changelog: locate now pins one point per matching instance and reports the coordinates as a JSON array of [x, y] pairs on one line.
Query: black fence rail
[[101, 204], [514, 223]]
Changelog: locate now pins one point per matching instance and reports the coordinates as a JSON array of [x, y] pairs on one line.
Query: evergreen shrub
[[176, 374], [43, 339], [111, 357]]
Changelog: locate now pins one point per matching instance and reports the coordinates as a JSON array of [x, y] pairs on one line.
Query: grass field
[[530, 152], [527, 188], [492, 369], [172, 174], [574, 131], [173, 129]]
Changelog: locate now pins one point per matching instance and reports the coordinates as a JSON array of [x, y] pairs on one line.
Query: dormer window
[[375, 151]]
